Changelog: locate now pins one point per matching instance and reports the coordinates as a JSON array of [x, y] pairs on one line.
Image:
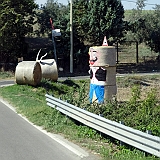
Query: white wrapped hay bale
[[28, 72], [110, 92], [106, 55], [49, 69]]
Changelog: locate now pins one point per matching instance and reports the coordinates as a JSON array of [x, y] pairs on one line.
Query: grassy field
[[30, 102]]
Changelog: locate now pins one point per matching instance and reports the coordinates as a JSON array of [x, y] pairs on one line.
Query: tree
[[152, 35], [136, 23], [52, 9], [16, 20], [80, 10], [59, 14], [140, 4], [105, 18], [136, 29]]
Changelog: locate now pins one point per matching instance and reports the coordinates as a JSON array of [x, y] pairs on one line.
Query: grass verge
[[6, 75], [30, 102]]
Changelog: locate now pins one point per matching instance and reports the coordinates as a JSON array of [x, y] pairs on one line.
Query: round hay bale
[[49, 69], [28, 72], [110, 92], [111, 76], [104, 55]]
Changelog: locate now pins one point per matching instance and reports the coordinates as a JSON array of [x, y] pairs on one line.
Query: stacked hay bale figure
[[102, 72]]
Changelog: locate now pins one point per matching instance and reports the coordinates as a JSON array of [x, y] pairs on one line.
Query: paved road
[[20, 140], [6, 82], [11, 82]]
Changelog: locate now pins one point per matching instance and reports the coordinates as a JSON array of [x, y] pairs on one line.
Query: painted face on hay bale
[[93, 57]]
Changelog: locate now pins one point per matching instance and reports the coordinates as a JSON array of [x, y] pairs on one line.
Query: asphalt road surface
[[11, 82], [19, 140], [6, 82]]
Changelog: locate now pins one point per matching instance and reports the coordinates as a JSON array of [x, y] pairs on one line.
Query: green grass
[[6, 75], [30, 102]]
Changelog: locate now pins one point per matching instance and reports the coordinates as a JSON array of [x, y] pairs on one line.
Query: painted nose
[[91, 62]]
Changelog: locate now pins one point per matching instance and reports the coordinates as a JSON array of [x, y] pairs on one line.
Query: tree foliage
[[152, 36], [92, 20], [80, 11], [105, 18], [136, 23], [144, 26], [140, 4], [16, 20], [52, 9]]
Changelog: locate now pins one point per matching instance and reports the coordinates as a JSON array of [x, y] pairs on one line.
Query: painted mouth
[[93, 61]]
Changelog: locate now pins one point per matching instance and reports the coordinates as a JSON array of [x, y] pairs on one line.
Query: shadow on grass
[[61, 87], [70, 83], [49, 86]]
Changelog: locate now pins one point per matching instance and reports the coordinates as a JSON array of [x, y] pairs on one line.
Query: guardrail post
[[120, 142], [148, 132], [101, 115]]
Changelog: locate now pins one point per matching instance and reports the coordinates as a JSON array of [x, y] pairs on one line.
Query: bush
[[136, 113]]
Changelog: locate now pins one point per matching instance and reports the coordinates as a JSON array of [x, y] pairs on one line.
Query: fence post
[[136, 52], [117, 52]]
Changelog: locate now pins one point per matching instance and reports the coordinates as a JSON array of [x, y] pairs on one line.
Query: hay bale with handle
[[28, 72], [49, 67]]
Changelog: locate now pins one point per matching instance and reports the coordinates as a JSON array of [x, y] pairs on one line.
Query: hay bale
[[110, 92], [49, 69], [106, 55], [111, 76], [28, 72]]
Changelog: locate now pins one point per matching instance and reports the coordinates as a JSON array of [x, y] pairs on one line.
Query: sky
[[128, 4]]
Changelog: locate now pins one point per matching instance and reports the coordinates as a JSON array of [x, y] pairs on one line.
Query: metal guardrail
[[128, 135]]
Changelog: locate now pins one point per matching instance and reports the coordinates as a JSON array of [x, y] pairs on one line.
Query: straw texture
[[106, 55], [110, 92], [28, 72], [49, 69]]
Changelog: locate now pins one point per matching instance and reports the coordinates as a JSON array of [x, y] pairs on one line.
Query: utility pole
[[71, 38], [55, 33]]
